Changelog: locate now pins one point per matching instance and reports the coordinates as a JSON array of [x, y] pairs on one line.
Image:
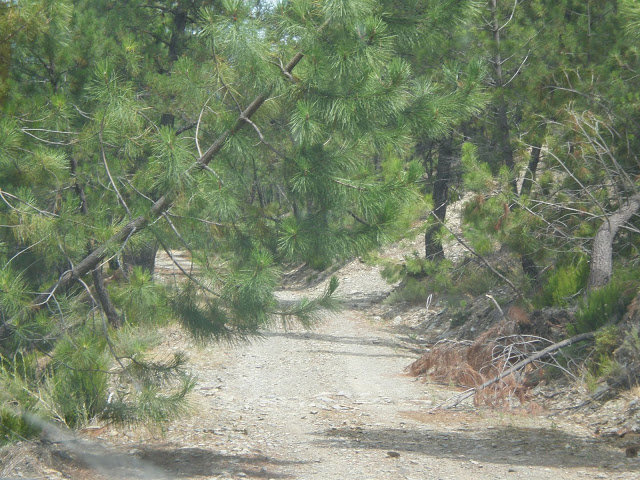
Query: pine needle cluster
[[108, 110]]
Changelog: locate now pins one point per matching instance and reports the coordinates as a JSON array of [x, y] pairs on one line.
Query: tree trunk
[[424, 150], [176, 42], [432, 242], [530, 176], [601, 266], [105, 301], [176, 47], [5, 62], [504, 134], [143, 256], [529, 267]]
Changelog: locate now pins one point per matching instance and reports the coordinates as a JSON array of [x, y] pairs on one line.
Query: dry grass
[[30, 460], [470, 364]]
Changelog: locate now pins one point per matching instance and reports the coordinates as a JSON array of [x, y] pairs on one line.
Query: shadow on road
[[371, 355], [195, 462], [503, 445], [346, 340]]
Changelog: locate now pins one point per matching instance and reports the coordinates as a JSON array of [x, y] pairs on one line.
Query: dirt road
[[334, 404]]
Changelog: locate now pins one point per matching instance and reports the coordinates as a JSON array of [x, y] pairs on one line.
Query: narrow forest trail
[[333, 404]]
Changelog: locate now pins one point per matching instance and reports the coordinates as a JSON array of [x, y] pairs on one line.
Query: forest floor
[[331, 403]]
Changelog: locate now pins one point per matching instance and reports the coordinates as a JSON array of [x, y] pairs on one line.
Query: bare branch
[[482, 259], [518, 70], [41, 212], [106, 167], [48, 142], [585, 189], [513, 11], [26, 249], [457, 399], [271, 147]]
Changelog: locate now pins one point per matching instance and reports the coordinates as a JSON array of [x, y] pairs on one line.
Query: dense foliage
[[256, 134]]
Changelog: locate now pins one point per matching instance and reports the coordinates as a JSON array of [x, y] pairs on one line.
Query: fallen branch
[[457, 399]]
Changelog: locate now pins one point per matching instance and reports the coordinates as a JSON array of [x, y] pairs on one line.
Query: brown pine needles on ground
[[470, 364]]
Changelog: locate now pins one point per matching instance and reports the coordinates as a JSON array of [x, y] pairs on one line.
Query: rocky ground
[[327, 404]]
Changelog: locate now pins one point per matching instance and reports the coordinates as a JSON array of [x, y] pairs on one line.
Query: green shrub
[[564, 283], [477, 176], [14, 427], [79, 381], [437, 273], [606, 339], [459, 318], [413, 291], [439, 276], [392, 272], [142, 300], [416, 265], [606, 304], [546, 182], [475, 281], [603, 368], [15, 375]]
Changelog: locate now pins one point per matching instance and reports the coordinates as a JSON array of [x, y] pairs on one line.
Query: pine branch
[[106, 168], [105, 301], [161, 205]]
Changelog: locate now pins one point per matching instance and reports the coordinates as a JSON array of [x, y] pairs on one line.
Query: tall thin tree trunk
[[424, 150], [176, 41], [432, 241], [504, 133], [529, 266], [601, 267], [530, 175], [176, 47], [5, 62]]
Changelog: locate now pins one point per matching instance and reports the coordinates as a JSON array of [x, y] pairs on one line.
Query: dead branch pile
[[473, 364]]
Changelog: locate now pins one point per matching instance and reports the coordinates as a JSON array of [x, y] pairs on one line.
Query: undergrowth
[[421, 278], [471, 363], [606, 305], [563, 283], [80, 380]]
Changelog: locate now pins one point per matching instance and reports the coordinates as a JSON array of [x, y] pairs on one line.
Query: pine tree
[[250, 136], [567, 110], [448, 91]]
